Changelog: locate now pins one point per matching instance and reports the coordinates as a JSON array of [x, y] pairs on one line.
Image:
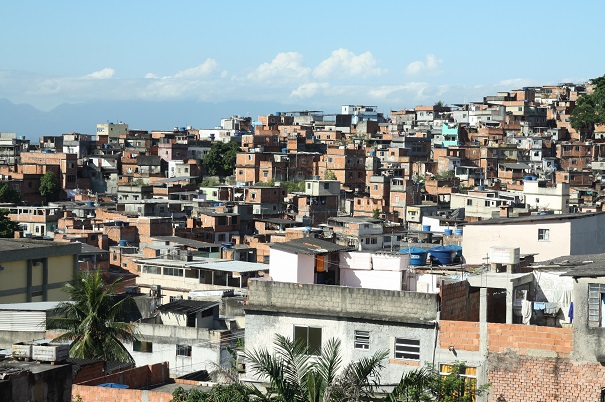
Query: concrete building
[[543, 196], [109, 133], [187, 334], [36, 270], [364, 320], [548, 236]]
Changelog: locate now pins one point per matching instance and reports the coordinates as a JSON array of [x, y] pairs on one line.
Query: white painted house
[[548, 236]]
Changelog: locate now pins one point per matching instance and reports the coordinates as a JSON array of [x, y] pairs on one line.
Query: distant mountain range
[[28, 121]]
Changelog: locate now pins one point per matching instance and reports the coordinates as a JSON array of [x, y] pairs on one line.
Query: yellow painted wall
[[60, 269], [14, 275]]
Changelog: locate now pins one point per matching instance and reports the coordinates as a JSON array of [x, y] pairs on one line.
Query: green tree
[[49, 186], [330, 175], [427, 384], [295, 375], [220, 160], [8, 227], [91, 320], [219, 393], [9, 195], [589, 109], [376, 213]]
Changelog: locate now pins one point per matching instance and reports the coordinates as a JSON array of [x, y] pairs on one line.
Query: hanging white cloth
[[526, 311]]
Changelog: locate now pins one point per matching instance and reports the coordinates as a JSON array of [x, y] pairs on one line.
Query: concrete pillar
[[45, 279], [509, 306], [482, 372], [29, 280], [483, 321]]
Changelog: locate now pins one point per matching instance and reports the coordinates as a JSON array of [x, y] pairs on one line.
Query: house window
[[469, 202], [183, 350], [487, 203], [375, 186], [407, 349], [543, 234], [265, 173], [362, 340], [173, 271], [596, 305], [309, 337], [142, 346]]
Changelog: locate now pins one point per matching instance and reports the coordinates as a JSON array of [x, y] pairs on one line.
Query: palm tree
[[295, 375], [90, 320]]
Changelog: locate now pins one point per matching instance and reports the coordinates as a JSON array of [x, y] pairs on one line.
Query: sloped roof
[[187, 306], [308, 245]]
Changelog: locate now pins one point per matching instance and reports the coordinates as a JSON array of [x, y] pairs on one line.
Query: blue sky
[[321, 54]]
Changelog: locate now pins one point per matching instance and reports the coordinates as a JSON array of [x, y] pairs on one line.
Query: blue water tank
[[284, 150], [480, 188], [113, 385], [119, 223], [458, 232], [183, 129], [278, 114], [417, 255], [426, 228], [448, 232], [442, 255], [90, 203], [123, 243]]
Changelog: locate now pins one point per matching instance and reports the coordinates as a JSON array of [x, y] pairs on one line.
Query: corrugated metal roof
[[33, 306], [232, 266], [308, 245], [187, 306]]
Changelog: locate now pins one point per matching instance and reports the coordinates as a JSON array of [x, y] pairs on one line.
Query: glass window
[[310, 337], [142, 346], [543, 234], [183, 350]]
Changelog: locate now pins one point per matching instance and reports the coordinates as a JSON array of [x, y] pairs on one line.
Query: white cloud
[[151, 76], [103, 74], [309, 90], [285, 66], [429, 64], [203, 70], [343, 62]]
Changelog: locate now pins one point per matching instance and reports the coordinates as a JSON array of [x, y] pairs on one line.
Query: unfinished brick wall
[[462, 335], [517, 378], [100, 394], [458, 303], [138, 377], [502, 338]]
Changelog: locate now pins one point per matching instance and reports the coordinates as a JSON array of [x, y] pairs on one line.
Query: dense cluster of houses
[[469, 232]]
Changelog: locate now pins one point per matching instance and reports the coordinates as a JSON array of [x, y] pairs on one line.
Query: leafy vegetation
[[49, 187], [295, 375], [330, 175], [91, 320], [590, 110], [220, 160], [8, 227], [9, 195]]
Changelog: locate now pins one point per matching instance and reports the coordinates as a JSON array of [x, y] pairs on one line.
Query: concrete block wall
[[342, 301]]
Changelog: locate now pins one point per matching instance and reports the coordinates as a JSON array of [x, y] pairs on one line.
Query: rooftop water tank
[[442, 255], [90, 203], [123, 243], [417, 255]]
